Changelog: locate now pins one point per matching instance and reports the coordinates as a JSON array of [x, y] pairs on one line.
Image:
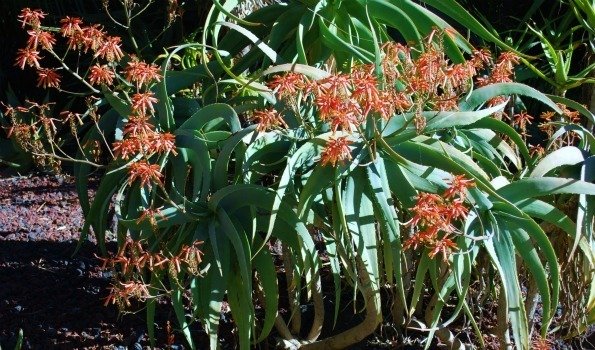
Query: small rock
[[18, 308], [51, 332], [96, 332]]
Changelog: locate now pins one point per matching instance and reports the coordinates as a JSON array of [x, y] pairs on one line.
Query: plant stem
[[75, 74]]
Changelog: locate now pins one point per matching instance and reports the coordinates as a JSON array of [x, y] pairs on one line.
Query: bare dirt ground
[[55, 296]]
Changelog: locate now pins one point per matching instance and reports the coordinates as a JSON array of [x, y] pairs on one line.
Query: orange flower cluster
[[31, 128], [500, 72], [345, 101], [435, 215], [131, 261], [336, 151], [342, 100], [140, 134], [84, 38], [268, 119], [145, 172], [548, 125], [142, 73], [430, 79]]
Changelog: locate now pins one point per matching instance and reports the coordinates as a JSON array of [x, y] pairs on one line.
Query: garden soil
[[54, 295]]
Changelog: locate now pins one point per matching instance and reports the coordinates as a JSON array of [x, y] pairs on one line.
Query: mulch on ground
[[55, 296]]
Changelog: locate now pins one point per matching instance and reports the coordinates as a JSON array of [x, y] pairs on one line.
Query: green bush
[[389, 168]]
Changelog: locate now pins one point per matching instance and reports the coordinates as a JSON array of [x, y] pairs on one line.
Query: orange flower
[[268, 119], [48, 77], [365, 91], [150, 215], [120, 294], [421, 238], [43, 38], [536, 150], [444, 246], [522, 119], [145, 172], [572, 116], [459, 74], [347, 117], [126, 148], [508, 59], [454, 211], [93, 38], [110, 49], [141, 73], [101, 74], [141, 102], [336, 151], [426, 210], [458, 186], [162, 143], [337, 85], [481, 58], [27, 56], [287, 85], [138, 125], [328, 105], [31, 17], [547, 116], [70, 26]]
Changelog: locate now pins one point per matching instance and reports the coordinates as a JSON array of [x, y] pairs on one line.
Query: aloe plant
[[386, 170]]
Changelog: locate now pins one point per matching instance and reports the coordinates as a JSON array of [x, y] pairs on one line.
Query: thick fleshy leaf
[[568, 155], [543, 186], [479, 97]]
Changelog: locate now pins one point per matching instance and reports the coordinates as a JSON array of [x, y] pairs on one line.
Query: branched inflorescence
[[141, 142], [434, 218]]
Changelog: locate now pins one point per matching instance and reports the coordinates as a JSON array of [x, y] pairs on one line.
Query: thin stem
[[142, 10], [68, 159], [113, 19], [104, 139], [75, 74]]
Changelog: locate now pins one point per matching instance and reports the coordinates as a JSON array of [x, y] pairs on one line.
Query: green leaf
[[197, 154], [503, 128], [107, 124], [242, 251], [432, 152], [210, 113], [457, 12], [309, 71], [98, 212], [337, 44], [264, 265], [482, 95], [543, 186], [399, 127], [501, 251], [267, 50], [568, 155], [394, 16], [387, 218], [178, 306], [220, 171]]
